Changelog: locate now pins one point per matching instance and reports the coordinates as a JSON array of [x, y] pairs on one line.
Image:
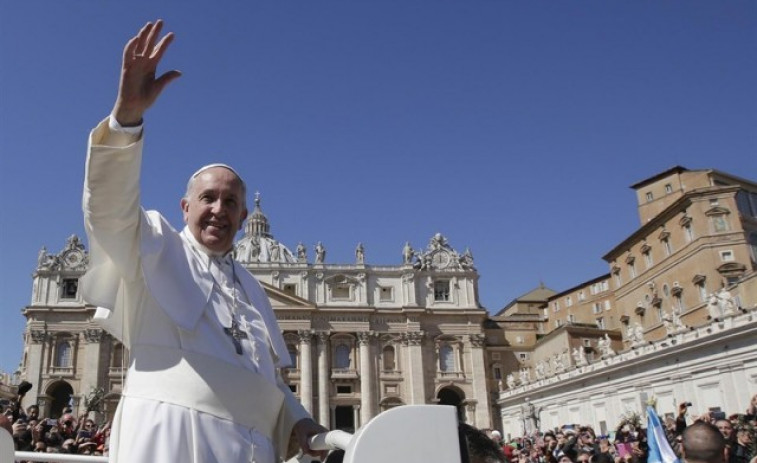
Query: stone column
[[414, 373], [356, 416], [366, 377], [91, 366], [306, 370], [324, 417], [478, 373], [35, 362]]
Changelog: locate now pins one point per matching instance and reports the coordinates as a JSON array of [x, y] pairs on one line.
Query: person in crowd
[[702, 443], [604, 453], [480, 448], [741, 450]]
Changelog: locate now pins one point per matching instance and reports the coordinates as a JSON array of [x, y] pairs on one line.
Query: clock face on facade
[[440, 259], [73, 259]]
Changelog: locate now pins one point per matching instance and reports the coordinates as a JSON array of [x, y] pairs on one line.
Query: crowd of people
[[67, 434], [690, 437], [711, 437]]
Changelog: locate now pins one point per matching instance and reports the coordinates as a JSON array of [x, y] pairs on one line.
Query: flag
[[659, 448]]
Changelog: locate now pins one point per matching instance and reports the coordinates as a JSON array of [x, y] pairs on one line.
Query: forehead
[[217, 178]]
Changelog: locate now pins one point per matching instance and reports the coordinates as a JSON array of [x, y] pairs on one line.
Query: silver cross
[[236, 335]]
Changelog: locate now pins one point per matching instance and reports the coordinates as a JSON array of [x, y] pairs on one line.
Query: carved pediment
[[732, 269], [717, 210], [279, 298]]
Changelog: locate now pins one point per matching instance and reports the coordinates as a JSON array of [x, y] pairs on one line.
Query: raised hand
[[138, 88]]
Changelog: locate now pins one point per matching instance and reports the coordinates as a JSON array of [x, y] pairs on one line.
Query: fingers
[[157, 52], [142, 38], [152, 36]]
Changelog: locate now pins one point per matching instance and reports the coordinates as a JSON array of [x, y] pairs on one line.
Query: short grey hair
[[191, 181]]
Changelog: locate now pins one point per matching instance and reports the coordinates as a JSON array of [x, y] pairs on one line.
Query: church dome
[[258, 244]]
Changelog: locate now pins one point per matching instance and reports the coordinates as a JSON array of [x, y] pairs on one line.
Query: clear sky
[[513, 128]]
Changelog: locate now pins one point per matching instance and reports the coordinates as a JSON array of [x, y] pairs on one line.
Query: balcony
[[343, 373], [450, 375], [61, 371]]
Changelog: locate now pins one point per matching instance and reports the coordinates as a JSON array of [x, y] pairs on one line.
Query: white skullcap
[[217, 164]]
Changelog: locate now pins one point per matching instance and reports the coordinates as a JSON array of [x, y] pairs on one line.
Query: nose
[[217, 207]]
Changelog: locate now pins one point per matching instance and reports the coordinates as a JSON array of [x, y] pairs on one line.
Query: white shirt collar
[[205, 253]]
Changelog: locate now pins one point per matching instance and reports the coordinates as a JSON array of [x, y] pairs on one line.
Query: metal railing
[[58, 457]]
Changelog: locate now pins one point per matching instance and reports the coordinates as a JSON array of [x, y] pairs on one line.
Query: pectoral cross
[[236, 335]]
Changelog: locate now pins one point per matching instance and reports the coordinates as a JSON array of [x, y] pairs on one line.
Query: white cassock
[[189, 396]]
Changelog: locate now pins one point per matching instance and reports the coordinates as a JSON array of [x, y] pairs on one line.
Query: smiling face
[[214, 208]]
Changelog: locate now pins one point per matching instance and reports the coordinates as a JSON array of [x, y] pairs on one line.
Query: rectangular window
[[648, 259], [650, 196], [600, 323], [495, 356], [571, 318], [719, 223], [596, 307], [581, 296], [344, 389], [69, 287], [631, 270], [556, 306], [618, 280], [441, 290], [568, 301], [340, 292], [290, 288], [702, 292], [523, 355], [726, 256], [689, 233], [497, 373], [385, 294], [608, 306], [668, 188], [668, 247]]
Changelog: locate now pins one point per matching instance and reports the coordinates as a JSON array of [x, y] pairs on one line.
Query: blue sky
[[513, 128]]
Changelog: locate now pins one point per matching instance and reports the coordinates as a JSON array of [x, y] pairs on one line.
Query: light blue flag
[[659, 448]]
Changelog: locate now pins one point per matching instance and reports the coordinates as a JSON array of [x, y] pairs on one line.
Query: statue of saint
[[320, 253], [301, 252], [407, 253]]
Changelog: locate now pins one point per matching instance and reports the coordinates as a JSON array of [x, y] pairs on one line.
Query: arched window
[[342, 359], [63, 354], [292, 354], [446, 358], [388, 357], [118, 360]]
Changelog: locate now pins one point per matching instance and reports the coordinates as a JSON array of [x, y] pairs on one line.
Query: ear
[[241, 220], [184, 204]]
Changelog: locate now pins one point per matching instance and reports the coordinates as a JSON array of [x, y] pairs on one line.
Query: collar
[[205, 253]]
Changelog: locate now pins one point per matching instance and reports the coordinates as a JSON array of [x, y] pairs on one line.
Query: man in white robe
[[205, 348]]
